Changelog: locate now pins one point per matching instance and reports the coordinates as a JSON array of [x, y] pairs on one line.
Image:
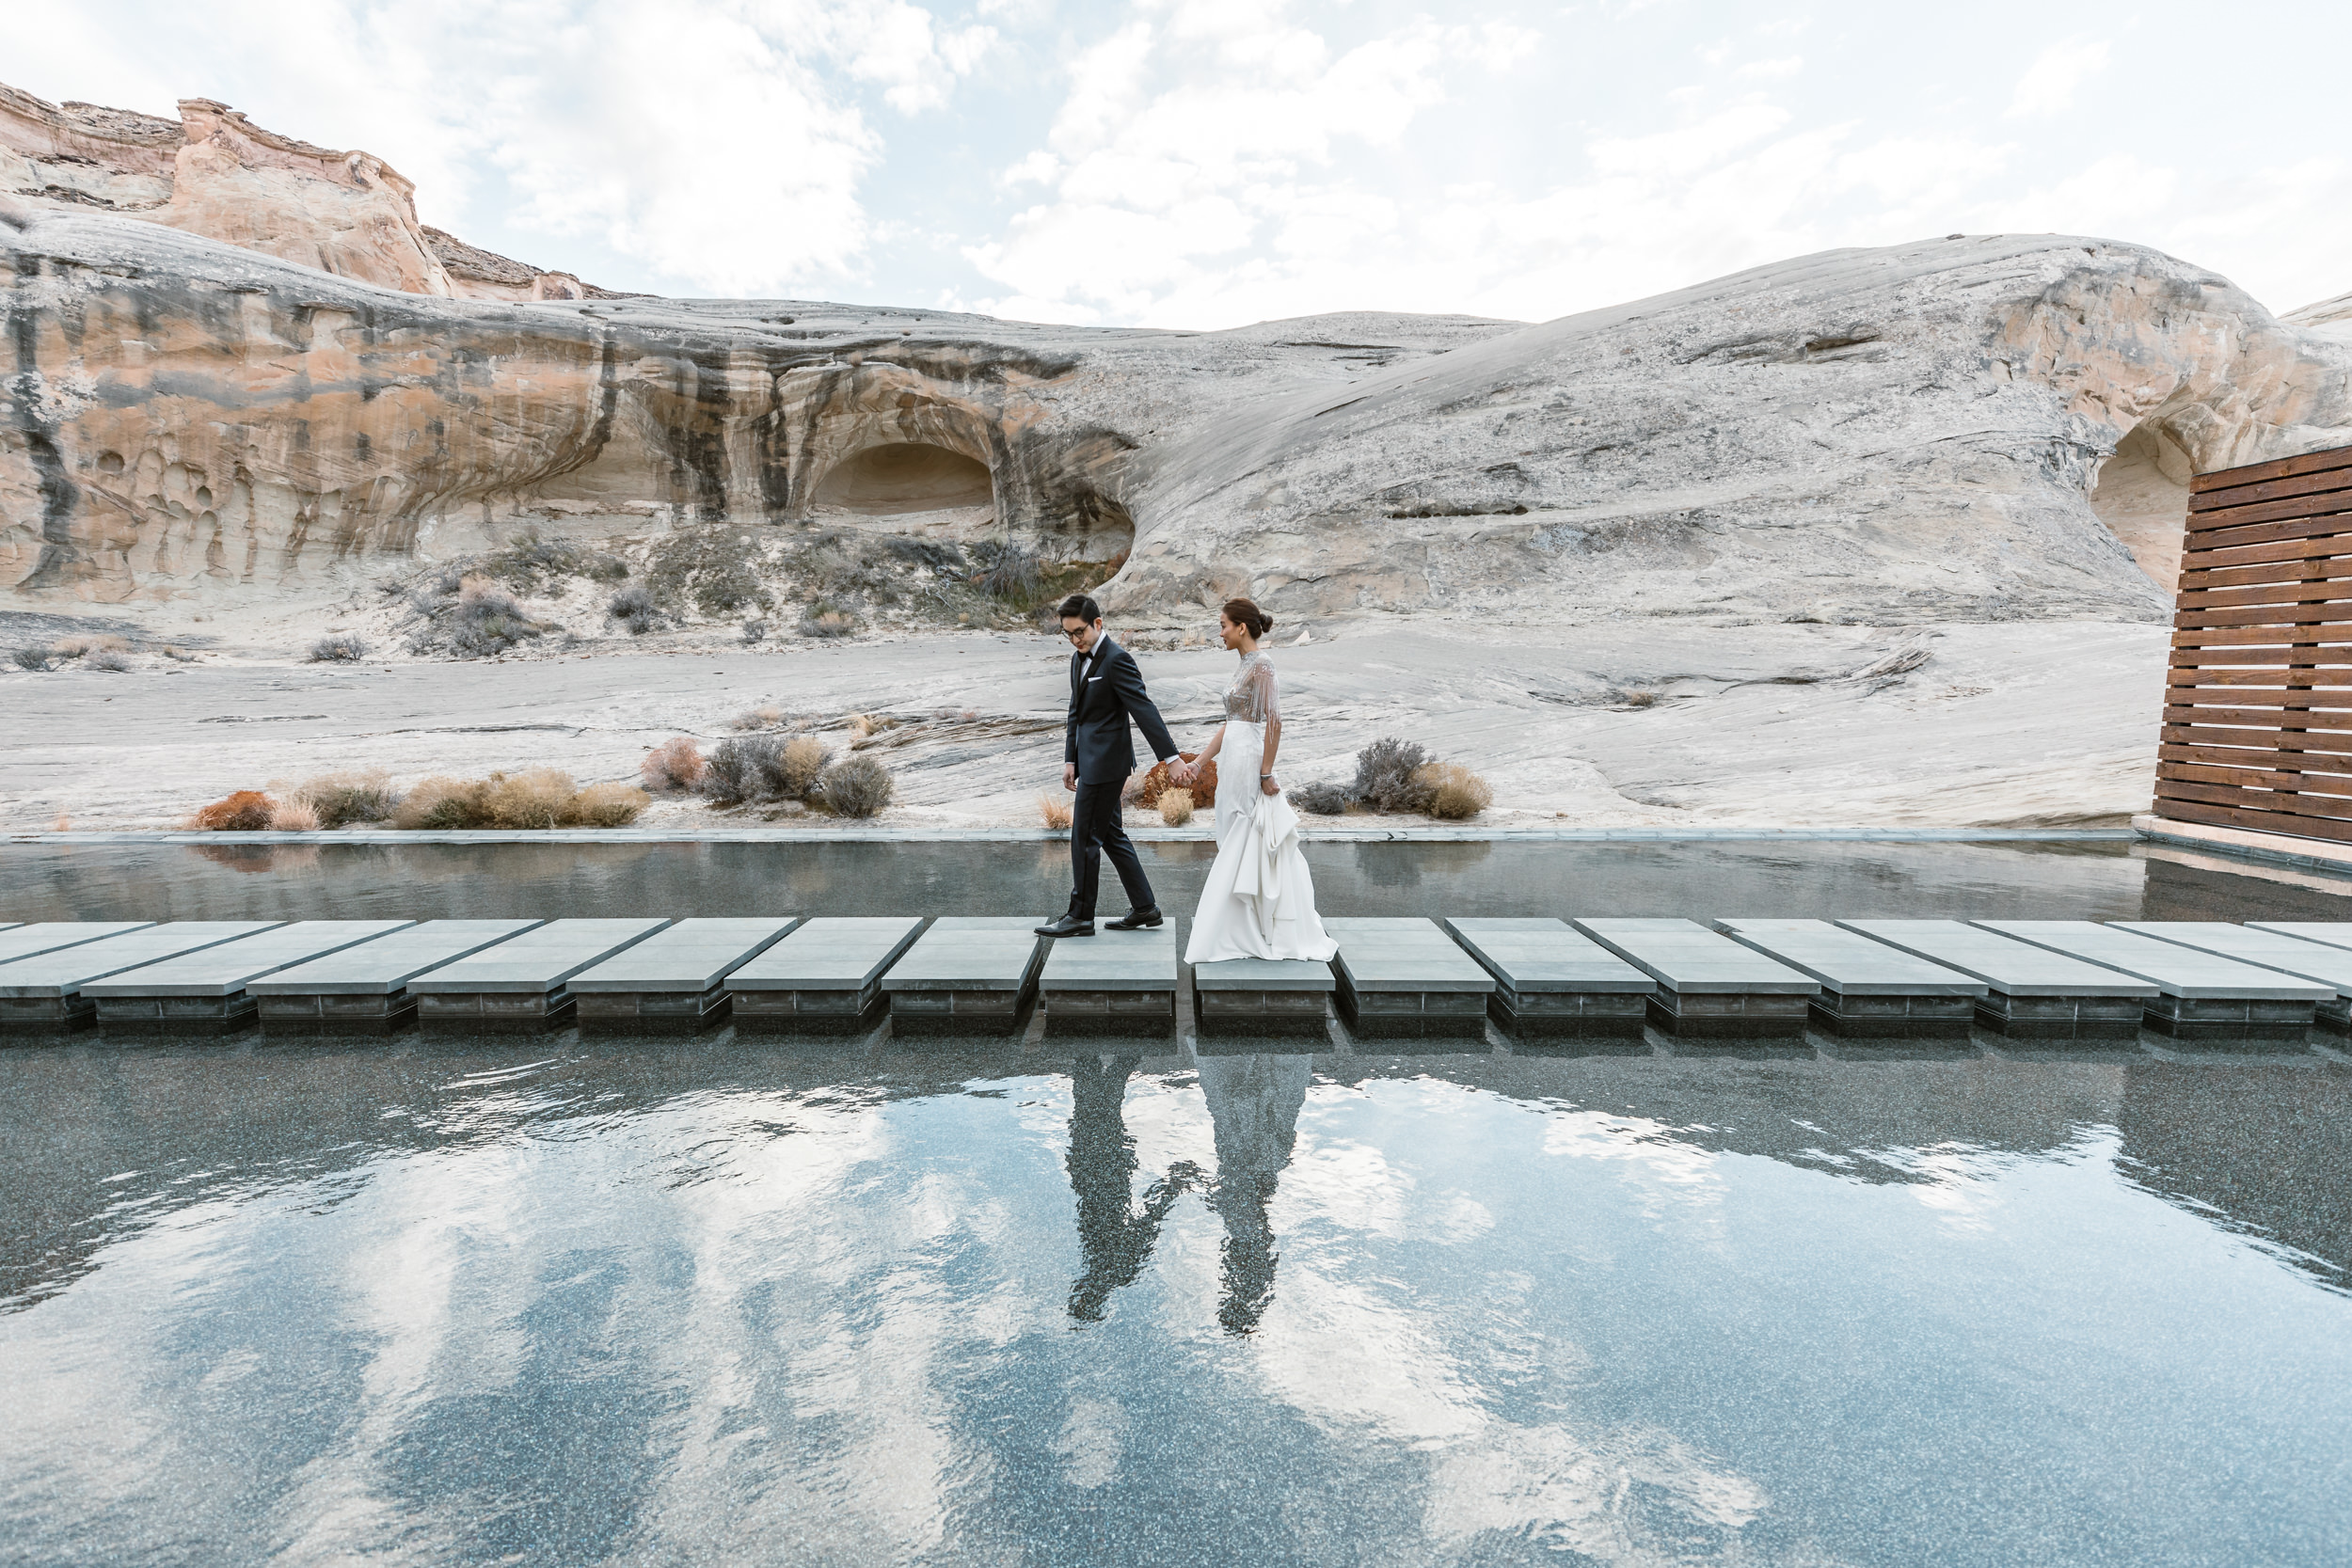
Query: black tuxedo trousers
[[1106, 694]]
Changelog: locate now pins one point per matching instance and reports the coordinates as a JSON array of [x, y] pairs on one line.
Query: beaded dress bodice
[[1250, 698]]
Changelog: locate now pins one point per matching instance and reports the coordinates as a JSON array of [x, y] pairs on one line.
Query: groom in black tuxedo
[[1106, 691]]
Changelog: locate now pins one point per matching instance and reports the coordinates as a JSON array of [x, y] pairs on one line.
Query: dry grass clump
[[1156, 784], [805, 759], [1054, 810], [859, 786], [1176, 807], [247, 810], [608, 805], [342, 648], [863, 724], [1452, 792], [82, 644], [107, 660], [178, 655], [442, 803], [294, 817], [760, 717], [675, 763], [344, 797], [538, 798], [828, 622]]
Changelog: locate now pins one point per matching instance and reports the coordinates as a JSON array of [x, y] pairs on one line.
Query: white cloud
[[2048, 86], [1765, 70]]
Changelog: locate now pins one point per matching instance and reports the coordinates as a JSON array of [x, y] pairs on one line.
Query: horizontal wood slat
[[2306, 807], [2277, 467], [2286, 618], [2301, 524], [2326, 510], [2265, 574], [2254, 822], [2309, 634], [2289, 599], [2273, 490], [2281, 677], [2336, 786], [2247, 748], [2186, 704], [2333, 546]]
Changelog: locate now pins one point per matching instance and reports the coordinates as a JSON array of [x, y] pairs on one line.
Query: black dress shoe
[[1068, 925], [1137, 920]]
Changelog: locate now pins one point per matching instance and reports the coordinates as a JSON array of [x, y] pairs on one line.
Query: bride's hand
[[1268, 784]]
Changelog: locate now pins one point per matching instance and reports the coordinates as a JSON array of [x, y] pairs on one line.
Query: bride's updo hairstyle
[[1248, 616]]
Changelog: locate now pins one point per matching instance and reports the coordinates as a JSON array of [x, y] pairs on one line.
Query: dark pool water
[[711, 1302], [2089, 880]]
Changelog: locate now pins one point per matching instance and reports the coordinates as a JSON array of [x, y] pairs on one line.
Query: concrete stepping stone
[[966, 974], [364, 990], [2199, 995], [675, 980], [1869, 990], [521, 983], [1112, 982], [47, 936], [206, 990], [1263, 996], [1405, 978], [824, 978], [1552, 979], [2334, 933], [44, 989], [1708, 987], [2031, 993], [2264, 949]]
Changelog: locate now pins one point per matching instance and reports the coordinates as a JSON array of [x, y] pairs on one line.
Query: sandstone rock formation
[[1973, 428], [217, 174]]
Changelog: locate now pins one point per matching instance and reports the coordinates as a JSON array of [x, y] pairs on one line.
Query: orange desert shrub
[[1054, 810], [1156, 784], [249, 811], [606, 805], [538, 798], [804, 757], [294, 817], [1453, 791], [675, 763], [1175, 807]]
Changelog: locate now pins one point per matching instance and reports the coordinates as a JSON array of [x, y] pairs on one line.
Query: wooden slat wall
[[2258, 707]]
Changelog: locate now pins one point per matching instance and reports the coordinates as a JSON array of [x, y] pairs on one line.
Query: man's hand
[[1069, 775], [1179, 771]]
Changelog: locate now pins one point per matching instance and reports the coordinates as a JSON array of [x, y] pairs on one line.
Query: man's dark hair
[[1081, 607]]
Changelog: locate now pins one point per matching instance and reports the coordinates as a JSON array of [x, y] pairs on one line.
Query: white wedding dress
[[1260, 901]]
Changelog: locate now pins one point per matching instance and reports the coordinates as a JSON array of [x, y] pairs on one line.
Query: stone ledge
[[2278, 848]]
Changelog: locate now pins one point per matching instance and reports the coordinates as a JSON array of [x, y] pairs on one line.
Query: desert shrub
[[1638, 699], [344, 797], [675, 763], [935, 553], [294, 817], [535, 564], [486, 620], [444, 803], [1385, 773], [1323, 799], [31, 659], [1451, 791], [757, 718], [1054, 810], [1008, 571], [803, 761], [540, 797], [828, 622], [747, 768], [1176, 807], [754, 630], [342, 648], [83, 644], [107, 660], [247, 810], [1156, 784], [178, 655], [606, 805], [633, 606], [858, 787]]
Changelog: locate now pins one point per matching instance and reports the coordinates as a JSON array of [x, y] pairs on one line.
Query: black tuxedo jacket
[[1106, 691]]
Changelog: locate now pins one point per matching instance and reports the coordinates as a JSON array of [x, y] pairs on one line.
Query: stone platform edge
[[2309, 854], [1334, 834]]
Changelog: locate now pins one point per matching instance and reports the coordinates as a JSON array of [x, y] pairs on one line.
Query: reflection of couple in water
[[1253, 1106]]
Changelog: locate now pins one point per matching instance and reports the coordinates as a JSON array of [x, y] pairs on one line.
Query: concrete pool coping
[[1050, 835]]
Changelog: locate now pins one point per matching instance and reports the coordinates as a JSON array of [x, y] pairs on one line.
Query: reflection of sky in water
[[713, 1304]]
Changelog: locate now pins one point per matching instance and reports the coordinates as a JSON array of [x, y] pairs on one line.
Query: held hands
[[1181, 772]]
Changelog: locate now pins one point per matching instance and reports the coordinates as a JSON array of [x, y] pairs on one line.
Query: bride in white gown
[[1260, 901]]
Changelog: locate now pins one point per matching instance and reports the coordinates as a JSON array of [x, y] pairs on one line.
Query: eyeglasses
[[1073, 636]]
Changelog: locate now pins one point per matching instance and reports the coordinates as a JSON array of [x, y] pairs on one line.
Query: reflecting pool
[[560, 1302]]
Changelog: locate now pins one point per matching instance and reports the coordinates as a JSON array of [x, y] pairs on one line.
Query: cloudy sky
[[1207, 162]]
